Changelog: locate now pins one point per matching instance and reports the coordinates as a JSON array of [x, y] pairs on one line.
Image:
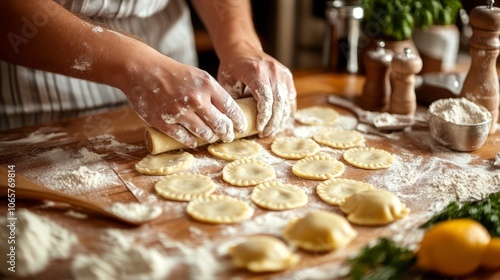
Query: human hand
[[183, 102], [270, 83]]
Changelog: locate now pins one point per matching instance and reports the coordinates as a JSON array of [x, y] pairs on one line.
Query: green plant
[[396, 19]]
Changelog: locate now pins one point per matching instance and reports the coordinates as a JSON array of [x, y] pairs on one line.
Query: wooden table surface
[[117, 137]]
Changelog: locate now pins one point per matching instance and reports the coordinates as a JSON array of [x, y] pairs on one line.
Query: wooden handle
[[157, 142]]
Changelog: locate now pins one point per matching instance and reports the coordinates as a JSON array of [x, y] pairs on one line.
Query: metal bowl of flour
[[463, 134]]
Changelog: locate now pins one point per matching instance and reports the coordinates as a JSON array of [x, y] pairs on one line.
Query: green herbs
[[396, 19], [485, 211], [384, 260]]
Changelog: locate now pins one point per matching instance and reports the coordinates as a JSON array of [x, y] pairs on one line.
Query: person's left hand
[[270, 83]]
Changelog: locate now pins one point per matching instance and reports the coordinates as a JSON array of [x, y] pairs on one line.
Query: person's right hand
[[183, 101]]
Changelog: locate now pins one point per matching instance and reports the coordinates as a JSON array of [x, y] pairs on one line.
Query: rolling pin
[[157, 142]]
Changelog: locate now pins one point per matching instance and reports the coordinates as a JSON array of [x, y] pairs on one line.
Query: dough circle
[[247, 172], [294, 147], [263, 254], [339, 138], [317, 115], [336, 190], [318, 168], [163, 164], [375, 207], [184, 186], [368, 158], [278, 196], [240, 148], [319, 231], [218, 209]]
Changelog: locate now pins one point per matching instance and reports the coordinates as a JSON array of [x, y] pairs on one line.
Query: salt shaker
[[377, 87], [404, 67], [481, 84]]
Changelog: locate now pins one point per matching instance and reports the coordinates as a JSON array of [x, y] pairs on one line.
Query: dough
[[247, 172], [237, 149], [184, 186], [278, 196], [158, 142], [218, 209], [294, 147], [263, 254], [319, 231], [373, 207], [339, 138], [336, 190], [368, 158], [317, 115], [164, 164], [318, 168]]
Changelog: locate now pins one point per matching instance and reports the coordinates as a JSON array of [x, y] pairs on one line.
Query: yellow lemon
[[454, 247], [491, 257]]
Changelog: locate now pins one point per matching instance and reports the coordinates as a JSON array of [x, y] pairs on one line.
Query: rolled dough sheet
[[157, 142]]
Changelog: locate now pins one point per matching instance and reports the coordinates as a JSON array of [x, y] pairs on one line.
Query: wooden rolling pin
[[157, 142]]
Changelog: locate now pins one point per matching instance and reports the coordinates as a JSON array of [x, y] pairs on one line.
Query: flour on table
[[38, 242], [135, 211], [34, 138]]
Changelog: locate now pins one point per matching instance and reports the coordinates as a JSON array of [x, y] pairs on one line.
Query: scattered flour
[[76, 215], [459, 111], [34, 138], [136, 211], [38, 241]]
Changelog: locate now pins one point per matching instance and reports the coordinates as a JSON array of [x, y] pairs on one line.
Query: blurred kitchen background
[[296, 33]]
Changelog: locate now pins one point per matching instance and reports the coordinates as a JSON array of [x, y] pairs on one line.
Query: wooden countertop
[[117, 137]]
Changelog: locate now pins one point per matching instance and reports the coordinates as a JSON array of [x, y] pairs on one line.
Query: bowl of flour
[[459, 124]]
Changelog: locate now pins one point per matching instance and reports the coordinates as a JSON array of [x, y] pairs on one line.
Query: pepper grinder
[[377, 87], [404, 68], [481, 84]]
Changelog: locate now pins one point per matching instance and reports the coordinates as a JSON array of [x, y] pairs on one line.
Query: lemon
[[491, 257], [454, 247]]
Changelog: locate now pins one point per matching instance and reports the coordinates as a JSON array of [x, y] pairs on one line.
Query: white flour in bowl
[[459, 111]]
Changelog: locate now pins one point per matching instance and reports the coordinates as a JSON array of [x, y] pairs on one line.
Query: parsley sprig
[[486, 211]]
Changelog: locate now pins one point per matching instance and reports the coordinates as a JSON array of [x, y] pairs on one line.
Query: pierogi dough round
[[318, 168], [238, 149], [247, 172], [317, 115], [336, 190], [218, 209], [294, 147], [185, 186], [163, 164], [338, 138], [278, 196], [319, 231], [263, 254], [368, 158], [375, 207]]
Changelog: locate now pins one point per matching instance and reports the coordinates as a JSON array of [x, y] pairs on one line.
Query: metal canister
[[342, 32]]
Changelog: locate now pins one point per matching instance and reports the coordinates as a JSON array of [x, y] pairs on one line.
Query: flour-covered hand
[[270, 83], [183, 102]]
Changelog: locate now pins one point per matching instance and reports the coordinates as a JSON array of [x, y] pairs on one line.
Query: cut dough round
[[339, 138], [218, 209], [373, 207], [184, 186], [294, 147], [278, 196], [336, 190], [247, 172], [318, 168], [317, 115], [368, 158], [164, 164], [319, 231], [263, 254], [237, 149]]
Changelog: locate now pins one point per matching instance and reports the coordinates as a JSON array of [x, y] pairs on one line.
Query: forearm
[[43, 35], [229, 23]]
